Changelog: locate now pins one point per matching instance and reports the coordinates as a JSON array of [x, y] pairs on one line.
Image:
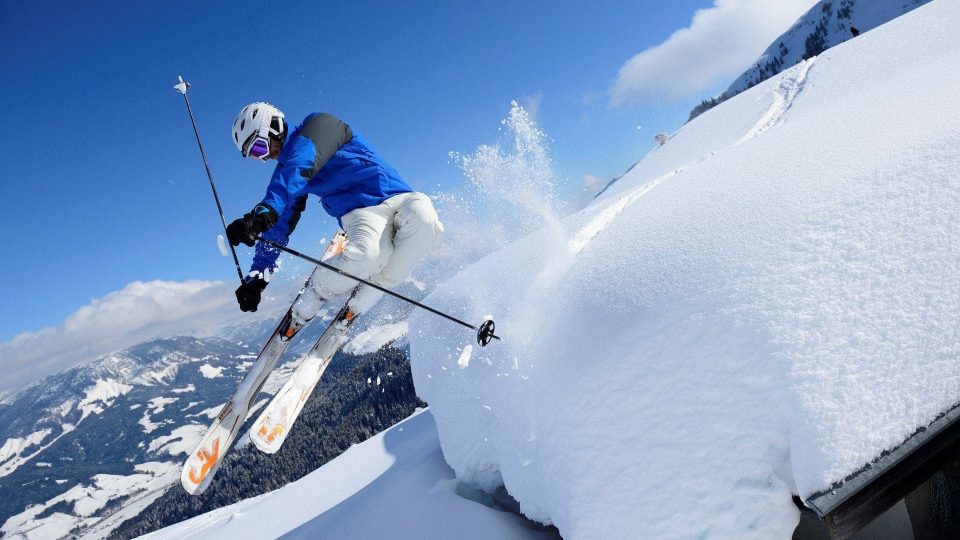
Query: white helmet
[[261, 119]]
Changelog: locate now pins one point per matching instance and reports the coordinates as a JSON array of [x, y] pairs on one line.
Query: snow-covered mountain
[[89, 448], [90, 440], [828, 23]]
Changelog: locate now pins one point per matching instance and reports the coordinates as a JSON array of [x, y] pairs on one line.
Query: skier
[[389, 226]]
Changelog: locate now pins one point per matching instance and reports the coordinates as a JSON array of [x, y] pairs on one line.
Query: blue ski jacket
[[327, 158]]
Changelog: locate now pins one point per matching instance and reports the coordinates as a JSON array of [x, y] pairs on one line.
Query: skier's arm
[[318, 140], [265, 258]]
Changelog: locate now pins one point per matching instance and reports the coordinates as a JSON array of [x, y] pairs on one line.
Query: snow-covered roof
[[759, 308]]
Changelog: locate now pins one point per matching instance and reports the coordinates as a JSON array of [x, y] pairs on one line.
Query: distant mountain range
[[91, 447], [825, 25]]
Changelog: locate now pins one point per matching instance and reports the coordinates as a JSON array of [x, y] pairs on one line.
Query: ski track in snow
[[606, 216], [784, 96]]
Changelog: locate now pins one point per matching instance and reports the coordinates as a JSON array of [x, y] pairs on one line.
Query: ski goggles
[[257, 147]]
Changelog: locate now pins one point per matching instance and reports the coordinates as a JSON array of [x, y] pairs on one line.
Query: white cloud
[[139, 312], [593, 183], [720, 43], [590, 184]]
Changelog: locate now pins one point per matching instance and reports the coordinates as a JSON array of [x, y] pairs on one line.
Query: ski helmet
[[258, 119]]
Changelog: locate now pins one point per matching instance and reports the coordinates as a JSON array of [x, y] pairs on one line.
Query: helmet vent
[[255, 111]]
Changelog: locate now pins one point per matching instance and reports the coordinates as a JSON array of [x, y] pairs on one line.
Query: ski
[[273, 425], [202, 463]]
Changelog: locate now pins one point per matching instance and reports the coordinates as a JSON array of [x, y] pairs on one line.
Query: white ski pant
[[384, 243]]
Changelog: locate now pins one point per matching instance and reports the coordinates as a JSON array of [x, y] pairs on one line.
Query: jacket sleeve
[[265, 257], [317, 141]]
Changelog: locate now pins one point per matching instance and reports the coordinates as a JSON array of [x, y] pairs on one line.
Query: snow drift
[[758, 308]]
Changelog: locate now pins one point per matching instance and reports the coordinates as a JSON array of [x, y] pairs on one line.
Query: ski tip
[[266, 438], [190, 486], [265, 447], [200, 467]]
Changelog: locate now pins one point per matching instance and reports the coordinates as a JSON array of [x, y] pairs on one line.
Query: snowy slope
[[825, 25], [394, 485], [758, 308]]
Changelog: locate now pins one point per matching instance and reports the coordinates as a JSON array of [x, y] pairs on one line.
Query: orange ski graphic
[[208, 460], [270, 435]]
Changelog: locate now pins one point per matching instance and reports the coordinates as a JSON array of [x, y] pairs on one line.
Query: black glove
[[246, 229], [248, 294]]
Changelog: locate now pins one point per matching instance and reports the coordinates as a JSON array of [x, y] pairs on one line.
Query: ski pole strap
[[485, 332]]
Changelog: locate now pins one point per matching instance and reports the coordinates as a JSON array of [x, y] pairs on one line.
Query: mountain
[[91, 447], [825, 25], [93, 438]]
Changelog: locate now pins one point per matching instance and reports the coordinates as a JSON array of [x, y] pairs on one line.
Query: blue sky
[[102, 181]]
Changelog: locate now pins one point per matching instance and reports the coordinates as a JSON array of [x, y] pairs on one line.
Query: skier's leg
[[417, 228], [307, 305], [369, 247]]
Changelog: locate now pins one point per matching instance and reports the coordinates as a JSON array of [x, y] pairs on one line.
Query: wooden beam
[[878, 486]]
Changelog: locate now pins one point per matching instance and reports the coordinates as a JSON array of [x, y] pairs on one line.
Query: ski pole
[[182, 88], [484, 331]]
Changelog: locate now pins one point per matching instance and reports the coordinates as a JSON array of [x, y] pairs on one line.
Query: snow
[[180, 441], [154, 406], [12, 453], [210, 413], [158, 404], [148, 425], [185, 389], [210, 372], [16, 445], [148, 482], [758, 308], [790, 48], [161, 376], [372, 339], [144, 493], [394, 485], [222, 246], [65, 407], [464, 359], [100, 396]]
